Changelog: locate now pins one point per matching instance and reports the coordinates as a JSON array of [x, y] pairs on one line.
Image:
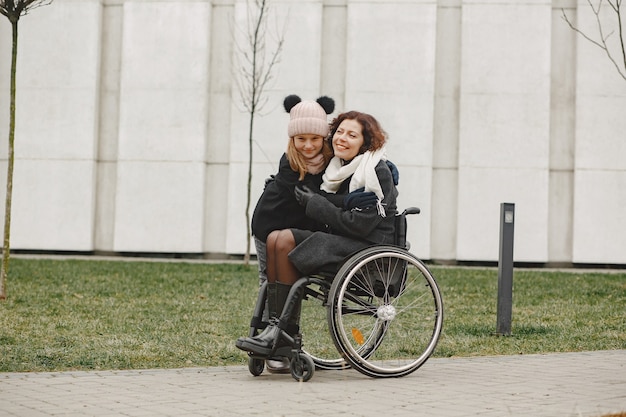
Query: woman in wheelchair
[[358, 170]]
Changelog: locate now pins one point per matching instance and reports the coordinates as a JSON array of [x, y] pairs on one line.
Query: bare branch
[[616, 8], [602, 43], [571, 25], [14, 9]]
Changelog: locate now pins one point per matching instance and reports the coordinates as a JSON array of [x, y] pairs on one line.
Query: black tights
[[279, 268]]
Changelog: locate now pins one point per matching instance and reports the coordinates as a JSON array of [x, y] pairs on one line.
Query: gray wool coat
[[347, 231]]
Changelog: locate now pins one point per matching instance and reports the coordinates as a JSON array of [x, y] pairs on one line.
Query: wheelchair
[[382, 312]]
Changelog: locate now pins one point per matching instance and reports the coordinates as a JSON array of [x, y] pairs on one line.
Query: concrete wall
[[131, 135]]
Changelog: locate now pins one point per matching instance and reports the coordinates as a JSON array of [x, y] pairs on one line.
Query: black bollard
[[505, 269]]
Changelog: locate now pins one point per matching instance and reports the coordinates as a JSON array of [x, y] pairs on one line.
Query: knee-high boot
[[292, 325], [262, 343]]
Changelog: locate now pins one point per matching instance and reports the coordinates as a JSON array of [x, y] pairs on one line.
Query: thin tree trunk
[[6, 249], [256, 92], [246, 257]]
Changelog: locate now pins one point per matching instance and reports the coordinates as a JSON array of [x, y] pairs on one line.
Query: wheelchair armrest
[[411, 210], [400, 238]]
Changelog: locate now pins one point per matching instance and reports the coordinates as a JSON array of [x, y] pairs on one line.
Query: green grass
[[83, 314], [552, 312]]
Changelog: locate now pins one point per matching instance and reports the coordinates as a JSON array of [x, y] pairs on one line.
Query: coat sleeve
[[354, 223], [287, 177], [336, 199]]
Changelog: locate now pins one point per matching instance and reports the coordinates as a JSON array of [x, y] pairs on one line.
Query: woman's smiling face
[[348, 139]]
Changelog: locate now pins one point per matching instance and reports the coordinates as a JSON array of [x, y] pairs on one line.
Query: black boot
[[293, 321], [265, 340], [263, 343], [282, 366]]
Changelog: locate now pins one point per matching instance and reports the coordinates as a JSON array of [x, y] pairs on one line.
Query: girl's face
[[348, 139], [309, 145]]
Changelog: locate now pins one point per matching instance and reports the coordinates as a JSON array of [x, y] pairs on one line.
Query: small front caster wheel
[[256, 366], [302, 367]]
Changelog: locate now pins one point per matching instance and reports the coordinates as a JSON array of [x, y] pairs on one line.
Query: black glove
[[359, 198], [303, 194], [395, 174]]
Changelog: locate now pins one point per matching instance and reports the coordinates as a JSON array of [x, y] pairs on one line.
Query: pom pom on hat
[[290, 102], [327, 103], [308, 117]]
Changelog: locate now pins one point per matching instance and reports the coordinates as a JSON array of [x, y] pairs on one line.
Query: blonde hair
[[297, 161]]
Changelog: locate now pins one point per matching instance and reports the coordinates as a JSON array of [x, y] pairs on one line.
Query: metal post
[[505, 269]]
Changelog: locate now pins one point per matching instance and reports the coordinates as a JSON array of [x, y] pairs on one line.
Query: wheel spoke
[[386, 312]]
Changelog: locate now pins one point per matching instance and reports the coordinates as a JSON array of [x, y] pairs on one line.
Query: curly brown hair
[[374, 137]]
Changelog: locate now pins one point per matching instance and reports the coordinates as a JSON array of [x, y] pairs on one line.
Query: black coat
[[349, 231], [277, 208]]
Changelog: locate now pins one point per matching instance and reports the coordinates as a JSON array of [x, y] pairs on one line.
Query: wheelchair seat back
[[401, 226]]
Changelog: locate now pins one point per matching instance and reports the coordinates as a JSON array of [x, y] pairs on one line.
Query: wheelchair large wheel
[[316, 337], [386, 312]]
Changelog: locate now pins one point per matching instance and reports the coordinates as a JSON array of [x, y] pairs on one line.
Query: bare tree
[[605, 33], [255, 67], [13, 10]]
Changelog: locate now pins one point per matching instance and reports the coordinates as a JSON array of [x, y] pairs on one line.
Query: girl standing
[[307, 155], [303, 164]]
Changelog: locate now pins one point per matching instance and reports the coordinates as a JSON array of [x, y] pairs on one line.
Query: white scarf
[[363, 171]]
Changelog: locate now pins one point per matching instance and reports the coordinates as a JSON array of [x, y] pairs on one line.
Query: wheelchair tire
[[385, 312], [256, 366], [302, 367]]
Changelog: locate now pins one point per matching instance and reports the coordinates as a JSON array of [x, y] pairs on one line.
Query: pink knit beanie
[[308, 117]]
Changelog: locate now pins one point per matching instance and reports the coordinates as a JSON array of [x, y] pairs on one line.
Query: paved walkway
[[587, 384]]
